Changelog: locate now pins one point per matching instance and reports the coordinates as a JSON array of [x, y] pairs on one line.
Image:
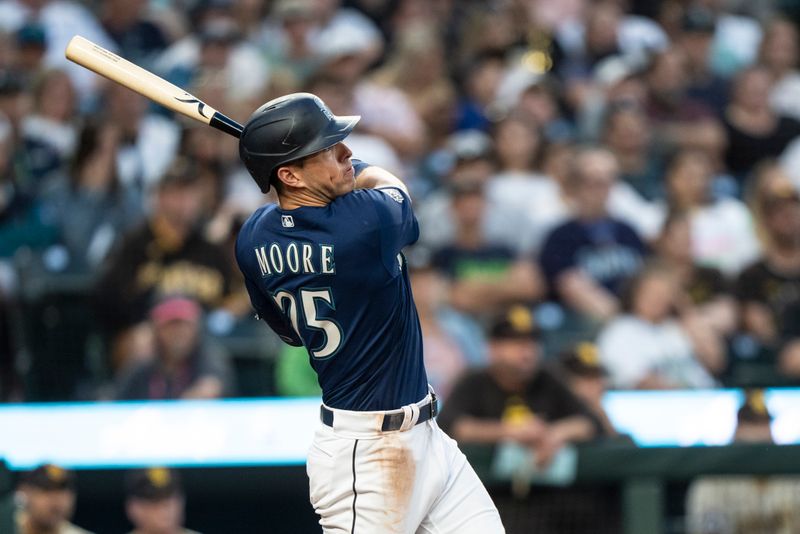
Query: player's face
[[48, 508], [329, 173]]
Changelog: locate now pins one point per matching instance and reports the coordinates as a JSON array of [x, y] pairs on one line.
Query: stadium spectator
[[769, 289], [705, 290], [418, 67], [155, 501], [515, 398], [586, 377], [680, 120], [49, 132], [722, 232], [47, 496], [148, 141], [287, 44], [481, 79], [88, 204], [780, 53], [184, 364], [470, 159], [61, 20], [627, 133], [485, 277], [588, 258], [696, 39], [31, 46], [755, 131], [166, 255], [646, 347], [453, 341], [717, 504], [127, 22]]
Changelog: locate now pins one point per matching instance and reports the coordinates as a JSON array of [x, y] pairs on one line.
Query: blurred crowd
[[626, 171]]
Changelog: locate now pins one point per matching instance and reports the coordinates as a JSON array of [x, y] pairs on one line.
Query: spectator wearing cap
[[31, 41], [155, 501], [587, 258], [587, 378], [648, 347], [744, 503], [768, 291], [167, 255], [485, 277], [515, 398], [47, 498], [695, 40], [184, 365]]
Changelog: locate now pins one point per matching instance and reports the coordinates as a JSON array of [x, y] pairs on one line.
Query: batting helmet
[[286, 129]]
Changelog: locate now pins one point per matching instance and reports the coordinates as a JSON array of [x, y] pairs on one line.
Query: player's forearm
[[375, 177]]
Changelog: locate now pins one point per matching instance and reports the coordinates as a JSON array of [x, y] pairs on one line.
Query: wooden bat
[[105, 63]]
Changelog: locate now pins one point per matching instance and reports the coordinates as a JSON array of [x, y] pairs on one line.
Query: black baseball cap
[[698, 20], [153, 483], [583, 359], [49, 477], [517, 322]]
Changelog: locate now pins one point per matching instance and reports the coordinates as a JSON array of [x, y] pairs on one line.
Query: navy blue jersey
[[333, 279], [608, 250]]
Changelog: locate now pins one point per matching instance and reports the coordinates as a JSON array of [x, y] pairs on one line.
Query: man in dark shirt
[[588, 258], [515, 398], [167, 255]]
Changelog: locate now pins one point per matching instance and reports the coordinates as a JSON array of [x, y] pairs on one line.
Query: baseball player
[[324, 269]]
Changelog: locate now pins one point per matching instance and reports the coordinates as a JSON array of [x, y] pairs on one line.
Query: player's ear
[[288, 177]]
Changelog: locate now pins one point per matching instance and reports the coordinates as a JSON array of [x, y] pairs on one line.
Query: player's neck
[[290, 200]]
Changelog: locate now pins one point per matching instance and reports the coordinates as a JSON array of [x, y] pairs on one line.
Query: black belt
[[391, 421]]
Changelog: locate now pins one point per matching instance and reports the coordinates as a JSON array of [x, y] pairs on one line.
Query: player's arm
[[372, 177]]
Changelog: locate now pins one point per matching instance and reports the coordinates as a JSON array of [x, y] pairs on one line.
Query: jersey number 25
[[309, 297]]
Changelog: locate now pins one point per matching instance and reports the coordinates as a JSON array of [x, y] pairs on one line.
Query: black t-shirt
[[477, 395], [745, 150], [705, 284], [147, 266], [780, 292]]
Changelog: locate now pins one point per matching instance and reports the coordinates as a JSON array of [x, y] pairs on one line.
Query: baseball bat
[[106, 63]]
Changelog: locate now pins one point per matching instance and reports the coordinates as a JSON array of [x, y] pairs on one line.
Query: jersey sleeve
[[389, 217]]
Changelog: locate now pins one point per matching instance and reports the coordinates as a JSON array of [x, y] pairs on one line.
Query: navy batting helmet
[[286, 129]]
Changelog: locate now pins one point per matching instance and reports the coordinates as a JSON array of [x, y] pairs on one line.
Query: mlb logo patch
[[287, 221], [395, 195]]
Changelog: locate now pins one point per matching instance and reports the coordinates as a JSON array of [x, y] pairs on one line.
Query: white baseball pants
[[411, 481]]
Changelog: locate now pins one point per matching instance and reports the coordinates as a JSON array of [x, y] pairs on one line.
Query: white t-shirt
[[723, 236], [631, 348]]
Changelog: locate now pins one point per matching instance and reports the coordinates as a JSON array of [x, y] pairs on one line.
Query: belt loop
[[410, 416]]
